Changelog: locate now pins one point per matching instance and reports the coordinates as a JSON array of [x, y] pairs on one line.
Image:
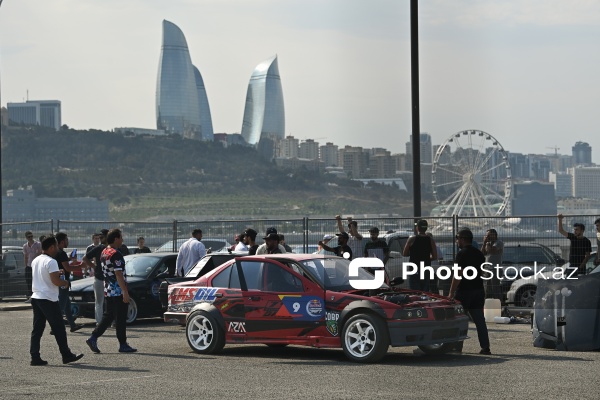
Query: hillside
[[170, 177]]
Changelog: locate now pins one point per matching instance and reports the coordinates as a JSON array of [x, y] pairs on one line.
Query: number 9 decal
[[296, 307]]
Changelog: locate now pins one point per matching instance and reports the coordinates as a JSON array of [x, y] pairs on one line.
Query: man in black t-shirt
[[94, 254], [470, 292], [342, 246], [64, 300], [420, 248], [581, 247]]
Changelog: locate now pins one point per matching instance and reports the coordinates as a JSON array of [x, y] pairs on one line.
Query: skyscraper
[[181, 102], [264, 115], [582, 153]]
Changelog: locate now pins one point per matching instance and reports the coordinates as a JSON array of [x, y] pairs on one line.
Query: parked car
[[214, 244], [202, 267], [141, 271], [12, 272], [522, 291], [307, 299]]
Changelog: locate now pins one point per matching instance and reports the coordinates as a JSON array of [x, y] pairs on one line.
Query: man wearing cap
[[190, 252], [250, 241], [377, 247], [94, 253], [271, 237], [420, 248], [342, 246], [355, 239], [271, 244], [469, 291]]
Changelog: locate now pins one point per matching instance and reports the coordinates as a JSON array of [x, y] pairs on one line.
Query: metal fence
[[306, 232]]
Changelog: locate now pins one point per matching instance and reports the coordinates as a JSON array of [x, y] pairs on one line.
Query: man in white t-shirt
[[46, 279], [190, 253]]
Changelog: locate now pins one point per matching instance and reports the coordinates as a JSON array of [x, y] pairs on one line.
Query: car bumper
[[404, 333]]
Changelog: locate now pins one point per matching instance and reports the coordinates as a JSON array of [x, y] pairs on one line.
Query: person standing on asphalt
[[94, 254], [597, 259], [64, 299], [342, 246], [31, 250], [190, 252], [141, 246], [116, 292], [250, 241], [470, 292], [46, 279], [581, 247], [493, 248], [377, 247], [355, 240], [420, 248]]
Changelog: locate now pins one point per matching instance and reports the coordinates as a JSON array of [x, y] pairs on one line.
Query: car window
[[277, 279], [222, 278], [10, 261], [252, 275], [139, 266], [397, 244]]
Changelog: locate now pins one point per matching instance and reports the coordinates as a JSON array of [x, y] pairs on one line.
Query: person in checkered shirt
[[115, 293]]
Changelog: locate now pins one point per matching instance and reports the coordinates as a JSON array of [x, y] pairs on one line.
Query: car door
[[279, 303], [12, 276]]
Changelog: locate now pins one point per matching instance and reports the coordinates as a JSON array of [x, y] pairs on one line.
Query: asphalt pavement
[[165, 367]]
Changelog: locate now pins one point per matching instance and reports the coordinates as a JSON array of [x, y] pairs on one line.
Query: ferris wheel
[[470, 175]]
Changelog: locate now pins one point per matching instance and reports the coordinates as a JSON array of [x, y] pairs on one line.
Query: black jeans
[[116, 310], [46, 310], [64, 301], [473, 301], [28, 280]]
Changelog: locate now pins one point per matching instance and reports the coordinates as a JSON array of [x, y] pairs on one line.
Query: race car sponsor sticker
[[206, 294], [302, 308], [237, 327], [331, 319]]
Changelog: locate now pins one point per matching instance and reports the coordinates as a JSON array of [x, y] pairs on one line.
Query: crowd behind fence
[[306, 232]]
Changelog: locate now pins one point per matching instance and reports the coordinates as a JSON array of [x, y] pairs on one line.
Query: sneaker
[[125, 348], [486, 352], [93, 345], [71, 358], [29, 301], [76, 327], [38, 361]]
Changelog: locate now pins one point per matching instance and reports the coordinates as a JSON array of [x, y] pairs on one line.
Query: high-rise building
[[586, 182], [425, 150], [329, 154], [264, 115], [181, 102], [309, 149], [288, 147], [582, 153], [35, 112]]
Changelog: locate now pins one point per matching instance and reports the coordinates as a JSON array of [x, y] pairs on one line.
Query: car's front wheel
[[132, 311], [364, 338], [525, 296], [203, 333]]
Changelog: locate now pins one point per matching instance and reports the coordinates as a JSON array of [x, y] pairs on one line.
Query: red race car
[[307, 299]]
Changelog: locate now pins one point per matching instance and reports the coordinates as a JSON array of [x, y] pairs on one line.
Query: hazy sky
[[526, 71]]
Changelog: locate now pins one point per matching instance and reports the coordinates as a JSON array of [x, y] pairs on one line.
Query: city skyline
[[523, 71]]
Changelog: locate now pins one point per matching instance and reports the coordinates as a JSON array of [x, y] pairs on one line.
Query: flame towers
[[181, 101], [264, 115]]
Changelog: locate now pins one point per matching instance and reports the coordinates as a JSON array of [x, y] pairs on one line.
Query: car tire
[[525, 296], [365, 338], [203, 333], [441, 348], [132, 311]]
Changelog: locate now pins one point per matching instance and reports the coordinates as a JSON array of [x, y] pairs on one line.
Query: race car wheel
[[364, 338], [132, 311], [203, 333], [440, 348]]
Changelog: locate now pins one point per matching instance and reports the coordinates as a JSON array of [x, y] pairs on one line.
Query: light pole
[[416, 126]]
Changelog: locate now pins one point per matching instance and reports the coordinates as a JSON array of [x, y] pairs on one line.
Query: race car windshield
[[333, 273]]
